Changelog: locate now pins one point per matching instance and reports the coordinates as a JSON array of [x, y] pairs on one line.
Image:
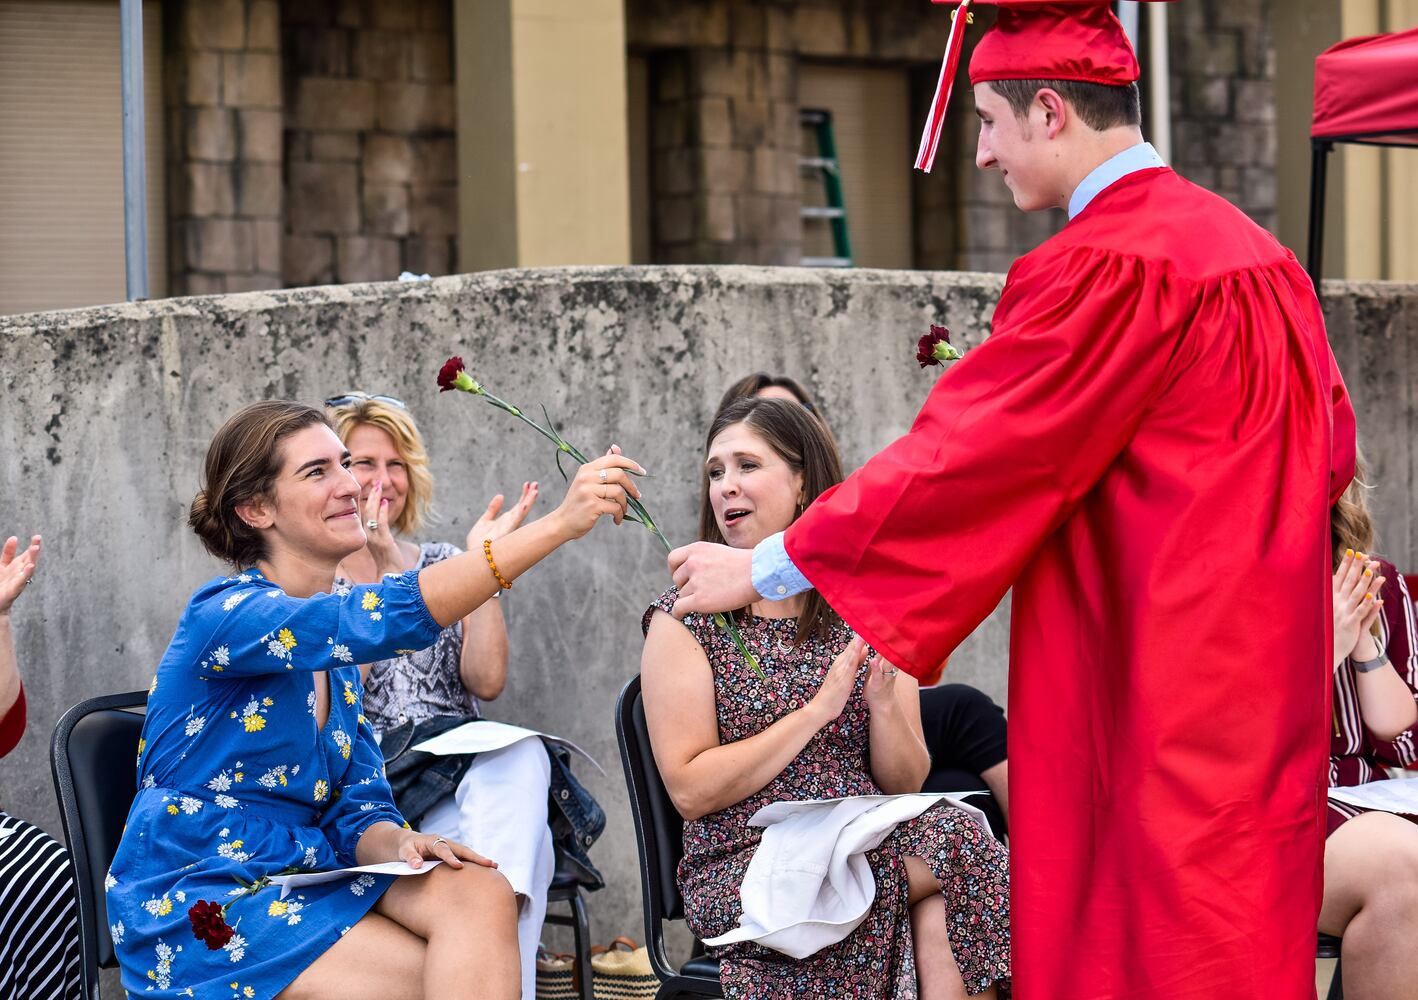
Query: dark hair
[[243, 461], [1100, 105], [801, 440], [752, 385]]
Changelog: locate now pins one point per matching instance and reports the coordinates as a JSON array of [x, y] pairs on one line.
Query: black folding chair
[[659, 831], [93, 756]]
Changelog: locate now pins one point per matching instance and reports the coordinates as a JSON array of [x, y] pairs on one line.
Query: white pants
[[500, 811]]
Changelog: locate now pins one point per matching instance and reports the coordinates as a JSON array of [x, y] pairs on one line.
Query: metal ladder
[[826, 166]]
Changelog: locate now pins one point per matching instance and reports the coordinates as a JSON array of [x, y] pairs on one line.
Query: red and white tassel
[[935, 123]]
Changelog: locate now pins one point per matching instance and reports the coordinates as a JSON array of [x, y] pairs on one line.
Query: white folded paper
[[485, 736], [290, 882], [1386, 796], [809, 883]]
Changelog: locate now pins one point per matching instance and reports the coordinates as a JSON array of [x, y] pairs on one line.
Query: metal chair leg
[[581, 933]]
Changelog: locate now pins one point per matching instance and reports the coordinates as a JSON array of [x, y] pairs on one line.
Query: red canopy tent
[[1366, 91]]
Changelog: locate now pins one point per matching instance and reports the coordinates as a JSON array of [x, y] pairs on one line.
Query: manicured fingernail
[[1368, 597], [1349, 553], [1368, 572]]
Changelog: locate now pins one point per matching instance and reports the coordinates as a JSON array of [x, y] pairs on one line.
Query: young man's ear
[[1055, 109]]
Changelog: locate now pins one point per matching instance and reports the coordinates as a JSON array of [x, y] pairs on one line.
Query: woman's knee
[[1371, 866]]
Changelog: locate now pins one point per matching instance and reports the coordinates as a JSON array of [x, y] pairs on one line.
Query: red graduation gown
[[1146, 448]]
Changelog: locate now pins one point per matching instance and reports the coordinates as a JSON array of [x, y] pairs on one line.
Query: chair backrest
[[92, 756], [659, 830]]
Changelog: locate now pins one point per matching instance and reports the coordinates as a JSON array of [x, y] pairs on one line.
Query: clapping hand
[[880, 687], [837, 686], [1356, 606], [495, 522], [16, 570], [378, 534]]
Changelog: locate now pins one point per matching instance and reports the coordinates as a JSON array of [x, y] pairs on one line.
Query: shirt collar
[[1115, 168]]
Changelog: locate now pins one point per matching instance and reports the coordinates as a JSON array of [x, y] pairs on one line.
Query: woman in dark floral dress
[[826, 724]]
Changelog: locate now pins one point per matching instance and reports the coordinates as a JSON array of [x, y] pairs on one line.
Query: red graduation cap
[[1032, 40]]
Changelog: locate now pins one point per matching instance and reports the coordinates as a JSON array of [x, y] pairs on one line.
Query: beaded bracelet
[[487, 551]]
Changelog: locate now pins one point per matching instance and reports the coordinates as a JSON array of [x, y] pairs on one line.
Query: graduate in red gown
[[1145, 448]]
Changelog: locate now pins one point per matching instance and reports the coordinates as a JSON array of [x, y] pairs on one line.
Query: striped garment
[[1355, 757], [39, 923]]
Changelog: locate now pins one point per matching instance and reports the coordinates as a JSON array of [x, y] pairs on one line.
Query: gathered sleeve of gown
[[919, 545], [249, 627]]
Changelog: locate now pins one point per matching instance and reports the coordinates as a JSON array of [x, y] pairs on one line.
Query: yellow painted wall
[[542, 123]]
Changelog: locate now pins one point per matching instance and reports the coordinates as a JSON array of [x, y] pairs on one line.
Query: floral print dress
[[238, 782], [878, 959]]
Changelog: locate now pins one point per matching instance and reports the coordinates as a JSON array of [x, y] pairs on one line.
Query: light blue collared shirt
[[775, 577], [1110, 171]]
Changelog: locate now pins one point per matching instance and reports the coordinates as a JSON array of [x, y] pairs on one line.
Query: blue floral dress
[[237, 782]]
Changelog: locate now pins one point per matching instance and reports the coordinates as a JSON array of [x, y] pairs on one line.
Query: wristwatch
[[1364, 666]]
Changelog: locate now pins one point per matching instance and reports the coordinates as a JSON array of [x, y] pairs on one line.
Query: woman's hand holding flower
[[600, 487]]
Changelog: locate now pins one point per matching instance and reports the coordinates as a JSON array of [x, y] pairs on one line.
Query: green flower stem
[[637, 513]]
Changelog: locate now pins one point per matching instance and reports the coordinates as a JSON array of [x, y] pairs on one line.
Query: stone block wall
[[1223, 100], [371, 170], [223, 106], [725, 136], [724, 95]]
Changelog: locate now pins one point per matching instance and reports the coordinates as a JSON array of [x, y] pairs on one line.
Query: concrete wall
[[106, 414]]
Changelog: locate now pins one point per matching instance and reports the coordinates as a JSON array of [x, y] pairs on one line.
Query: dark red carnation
[[209, 924], [925, 347], [448, 374]]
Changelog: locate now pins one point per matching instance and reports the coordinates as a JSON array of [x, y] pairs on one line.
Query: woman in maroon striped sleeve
[[1371, 855], [39, 924]]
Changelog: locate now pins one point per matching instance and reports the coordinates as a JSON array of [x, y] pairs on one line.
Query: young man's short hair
[[1100, 105]]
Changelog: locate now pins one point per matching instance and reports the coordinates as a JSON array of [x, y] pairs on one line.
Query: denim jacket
[[421, 779]]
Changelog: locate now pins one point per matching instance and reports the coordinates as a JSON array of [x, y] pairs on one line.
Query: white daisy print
[[359, 885], [235, 948], [234, 600], [194, 726], [222, 654], [116, 931], [189, 805], [221, 783], [232, 851], [225, 801], [109, 882]]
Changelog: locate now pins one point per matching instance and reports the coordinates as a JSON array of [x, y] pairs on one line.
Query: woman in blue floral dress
[[255, 760], [825, 724]]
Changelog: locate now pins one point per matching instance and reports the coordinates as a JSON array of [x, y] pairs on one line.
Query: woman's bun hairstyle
[[242, 463]]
